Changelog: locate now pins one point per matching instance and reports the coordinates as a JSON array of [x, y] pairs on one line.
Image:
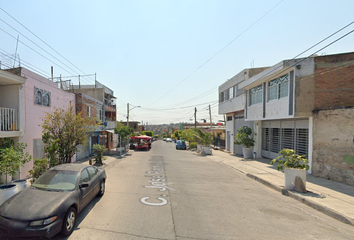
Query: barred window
[[278, 88], [256, 95]]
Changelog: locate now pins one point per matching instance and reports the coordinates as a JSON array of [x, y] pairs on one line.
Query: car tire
[[69, 222], [102, 189]]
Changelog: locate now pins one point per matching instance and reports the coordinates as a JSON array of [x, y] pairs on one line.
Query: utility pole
[[195, 117], [95, 80], [128, 114], [61, 84], [79, 83], [211, 124]]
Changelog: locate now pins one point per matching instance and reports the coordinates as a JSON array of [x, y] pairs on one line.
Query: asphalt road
[[175, 194]]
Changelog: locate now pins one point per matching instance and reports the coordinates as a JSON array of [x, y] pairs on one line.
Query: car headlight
[[43, 222]]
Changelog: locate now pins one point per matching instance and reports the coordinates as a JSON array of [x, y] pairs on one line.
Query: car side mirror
[[83, 185]]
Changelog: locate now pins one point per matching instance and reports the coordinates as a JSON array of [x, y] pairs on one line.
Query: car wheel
[[69, 222], [102, 189]]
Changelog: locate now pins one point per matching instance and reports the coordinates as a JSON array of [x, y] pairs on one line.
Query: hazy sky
[[168, 56]]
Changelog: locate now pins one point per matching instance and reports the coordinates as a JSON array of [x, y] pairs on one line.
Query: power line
[[42, 40], [259, 19], [169, 109], [36, 45]]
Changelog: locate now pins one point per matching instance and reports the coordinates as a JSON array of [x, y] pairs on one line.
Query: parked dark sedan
[[52, 203]]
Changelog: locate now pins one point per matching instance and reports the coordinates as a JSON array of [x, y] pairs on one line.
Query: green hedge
[[193, 145]]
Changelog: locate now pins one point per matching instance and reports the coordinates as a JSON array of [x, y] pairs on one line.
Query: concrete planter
[[21, 184], [247, 152], [203, 149], [291, 174]]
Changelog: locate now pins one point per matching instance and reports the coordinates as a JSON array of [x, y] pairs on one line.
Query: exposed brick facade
[[84, 102], [333, 118], [334, 81]]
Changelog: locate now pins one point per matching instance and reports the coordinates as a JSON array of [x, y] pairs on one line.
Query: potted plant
[[243, 138], [294, 165], [12, 157], [98, 150]]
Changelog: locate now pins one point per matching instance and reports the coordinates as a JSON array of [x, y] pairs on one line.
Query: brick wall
[[82, 104], [334, 81]]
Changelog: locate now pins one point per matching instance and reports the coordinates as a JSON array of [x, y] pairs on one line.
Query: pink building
[[39, 96]]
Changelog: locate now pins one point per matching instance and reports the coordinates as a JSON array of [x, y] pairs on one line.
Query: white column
[[310, 146]]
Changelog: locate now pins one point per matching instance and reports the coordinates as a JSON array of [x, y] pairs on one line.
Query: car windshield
[[57, 180]]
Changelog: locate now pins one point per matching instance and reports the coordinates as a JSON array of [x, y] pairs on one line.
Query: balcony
[[9, 122]]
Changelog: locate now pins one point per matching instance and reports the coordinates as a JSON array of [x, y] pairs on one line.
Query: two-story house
[[232, 104], [35, 98], [306, 104]]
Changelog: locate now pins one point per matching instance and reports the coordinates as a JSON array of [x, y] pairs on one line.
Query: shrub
[[98, 150], [193, 145], [39, 167], [243, 137], [289, 159]]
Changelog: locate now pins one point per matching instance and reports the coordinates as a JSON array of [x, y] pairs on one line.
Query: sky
[[165, 57]]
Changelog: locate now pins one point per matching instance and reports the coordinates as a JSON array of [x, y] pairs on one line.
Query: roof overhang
[[7, 78]]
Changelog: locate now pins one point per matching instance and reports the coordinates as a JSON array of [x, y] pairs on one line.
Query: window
[[221, 97], [234, 90], [38, 99], [89, 111], [229, 118], [84, 176], [256, 95], [92, 172], [226, 94], [100, 115], [278, 88], [46, 100], [231, 93], [42, 97]]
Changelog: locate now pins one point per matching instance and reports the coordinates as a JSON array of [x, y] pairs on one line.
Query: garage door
[[277, 135]]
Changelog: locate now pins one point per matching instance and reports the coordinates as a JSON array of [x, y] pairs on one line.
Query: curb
[[319, 207]]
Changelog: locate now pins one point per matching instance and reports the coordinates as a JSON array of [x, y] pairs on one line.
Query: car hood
[[32, 204]]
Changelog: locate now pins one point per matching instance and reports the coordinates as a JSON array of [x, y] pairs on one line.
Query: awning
[[110, 131]]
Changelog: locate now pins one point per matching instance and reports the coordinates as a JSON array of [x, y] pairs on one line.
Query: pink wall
[[33, 114]]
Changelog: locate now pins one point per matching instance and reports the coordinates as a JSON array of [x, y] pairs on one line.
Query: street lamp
[[128, 112]]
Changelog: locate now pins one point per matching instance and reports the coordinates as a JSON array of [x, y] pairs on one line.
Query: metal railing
[[9, 119]]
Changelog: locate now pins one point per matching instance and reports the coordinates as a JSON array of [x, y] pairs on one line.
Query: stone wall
[[333, 145]]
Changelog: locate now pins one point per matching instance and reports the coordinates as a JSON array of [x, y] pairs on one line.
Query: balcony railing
[[9, 119]]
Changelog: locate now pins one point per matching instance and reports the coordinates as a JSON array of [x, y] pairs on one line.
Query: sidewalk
[[332, 198]]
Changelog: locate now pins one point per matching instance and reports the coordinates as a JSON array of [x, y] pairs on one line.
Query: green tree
[[178, 134], [147, 133], [12, 157], [62, 132], [124, 132]]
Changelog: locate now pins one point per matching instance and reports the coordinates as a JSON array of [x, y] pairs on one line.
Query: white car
[[168, 140]]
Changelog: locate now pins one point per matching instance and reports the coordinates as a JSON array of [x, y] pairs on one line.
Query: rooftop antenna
[[18, 36]]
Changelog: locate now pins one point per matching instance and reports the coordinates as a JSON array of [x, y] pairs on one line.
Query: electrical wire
[[42, 40], [213, 56]]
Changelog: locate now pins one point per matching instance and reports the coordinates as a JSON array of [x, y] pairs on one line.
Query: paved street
[[168, 194]]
